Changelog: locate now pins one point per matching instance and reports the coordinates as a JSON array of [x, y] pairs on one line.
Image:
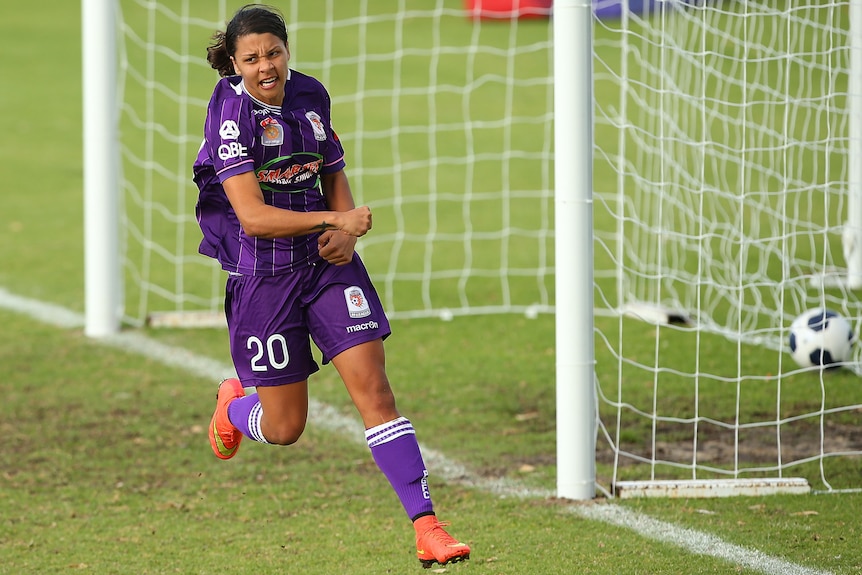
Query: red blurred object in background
[[508, 9]]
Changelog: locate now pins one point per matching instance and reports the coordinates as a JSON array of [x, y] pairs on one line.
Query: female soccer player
[[276, 211]]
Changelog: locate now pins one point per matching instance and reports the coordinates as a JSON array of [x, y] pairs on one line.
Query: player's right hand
[[357, 221]]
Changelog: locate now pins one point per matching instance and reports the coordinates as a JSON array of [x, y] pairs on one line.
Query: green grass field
[[106, 467]]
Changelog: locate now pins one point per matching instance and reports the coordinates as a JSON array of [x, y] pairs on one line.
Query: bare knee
[[285, 409], [282, 432]]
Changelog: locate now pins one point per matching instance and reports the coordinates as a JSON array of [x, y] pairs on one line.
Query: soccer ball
[[821, 337]]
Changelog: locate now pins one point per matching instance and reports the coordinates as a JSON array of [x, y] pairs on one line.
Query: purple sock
[[245, 413], [396, 452]]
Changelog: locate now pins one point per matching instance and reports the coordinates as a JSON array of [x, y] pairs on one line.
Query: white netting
[[723, 156], [447, 127], [722, 169]]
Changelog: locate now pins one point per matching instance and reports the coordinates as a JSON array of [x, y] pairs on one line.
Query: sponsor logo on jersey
[[291, 175], [229, 130], [232, 150], [273, 133], [316, 125], [357, 305]]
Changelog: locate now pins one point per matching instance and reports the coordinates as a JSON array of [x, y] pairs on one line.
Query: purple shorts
[[270, 320]]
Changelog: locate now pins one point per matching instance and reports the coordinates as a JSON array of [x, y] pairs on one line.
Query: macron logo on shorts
[[362, 327], [357, 305]]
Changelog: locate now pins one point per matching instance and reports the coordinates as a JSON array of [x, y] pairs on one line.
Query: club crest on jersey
[[229, 130], [316, 125], [357, 305], [273, 133]]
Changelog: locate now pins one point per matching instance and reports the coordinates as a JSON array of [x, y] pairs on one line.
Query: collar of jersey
[[270, 107]]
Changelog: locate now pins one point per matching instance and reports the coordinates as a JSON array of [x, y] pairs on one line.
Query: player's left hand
[[336, 247]]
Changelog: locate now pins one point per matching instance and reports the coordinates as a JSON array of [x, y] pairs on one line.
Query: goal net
[[726, 175], [446, 123], [725, 186]]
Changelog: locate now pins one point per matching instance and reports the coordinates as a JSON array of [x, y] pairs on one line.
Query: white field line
[[329, 418], [691, 540]]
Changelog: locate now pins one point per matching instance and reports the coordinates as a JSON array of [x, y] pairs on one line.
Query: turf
[[107, 470], [106, 467]]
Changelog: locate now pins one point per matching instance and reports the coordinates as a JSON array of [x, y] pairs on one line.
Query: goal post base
[[697, 488], [657, 314], [187, 319], [835, 277]]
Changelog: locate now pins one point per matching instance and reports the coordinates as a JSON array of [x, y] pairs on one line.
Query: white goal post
[[573, 224], [675, 180], [101, 164]]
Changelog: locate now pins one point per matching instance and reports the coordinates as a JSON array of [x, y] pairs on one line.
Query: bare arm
[[336, 191], [261, 220], [336, 247]]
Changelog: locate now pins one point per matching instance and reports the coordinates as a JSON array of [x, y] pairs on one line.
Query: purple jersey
[[288, 147]]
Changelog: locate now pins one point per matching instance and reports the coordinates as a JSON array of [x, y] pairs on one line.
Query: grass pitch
[[106, 467]]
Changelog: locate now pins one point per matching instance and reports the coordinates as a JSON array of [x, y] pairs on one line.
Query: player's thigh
[[345, 310], [269, 338]]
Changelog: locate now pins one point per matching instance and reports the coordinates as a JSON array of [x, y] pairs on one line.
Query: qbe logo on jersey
[[230, 131], [357, 305], [232, 150]]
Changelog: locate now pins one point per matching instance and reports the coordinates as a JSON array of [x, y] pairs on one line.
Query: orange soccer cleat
[[224, 437], [433, 544]]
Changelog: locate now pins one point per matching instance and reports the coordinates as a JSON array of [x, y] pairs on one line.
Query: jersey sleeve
[[333, 151], [229, 132]]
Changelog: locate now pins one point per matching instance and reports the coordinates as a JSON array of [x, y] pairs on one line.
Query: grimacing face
[[261, 60]]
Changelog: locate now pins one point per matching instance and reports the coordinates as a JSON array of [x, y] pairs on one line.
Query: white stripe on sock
[[254, 418], [389, 431]]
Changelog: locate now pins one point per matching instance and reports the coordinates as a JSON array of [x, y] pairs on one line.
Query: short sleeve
[[229, 132], [333, 154]]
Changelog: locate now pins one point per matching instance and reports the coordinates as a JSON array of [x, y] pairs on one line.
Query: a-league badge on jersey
[[357, 305], [273, 133]]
